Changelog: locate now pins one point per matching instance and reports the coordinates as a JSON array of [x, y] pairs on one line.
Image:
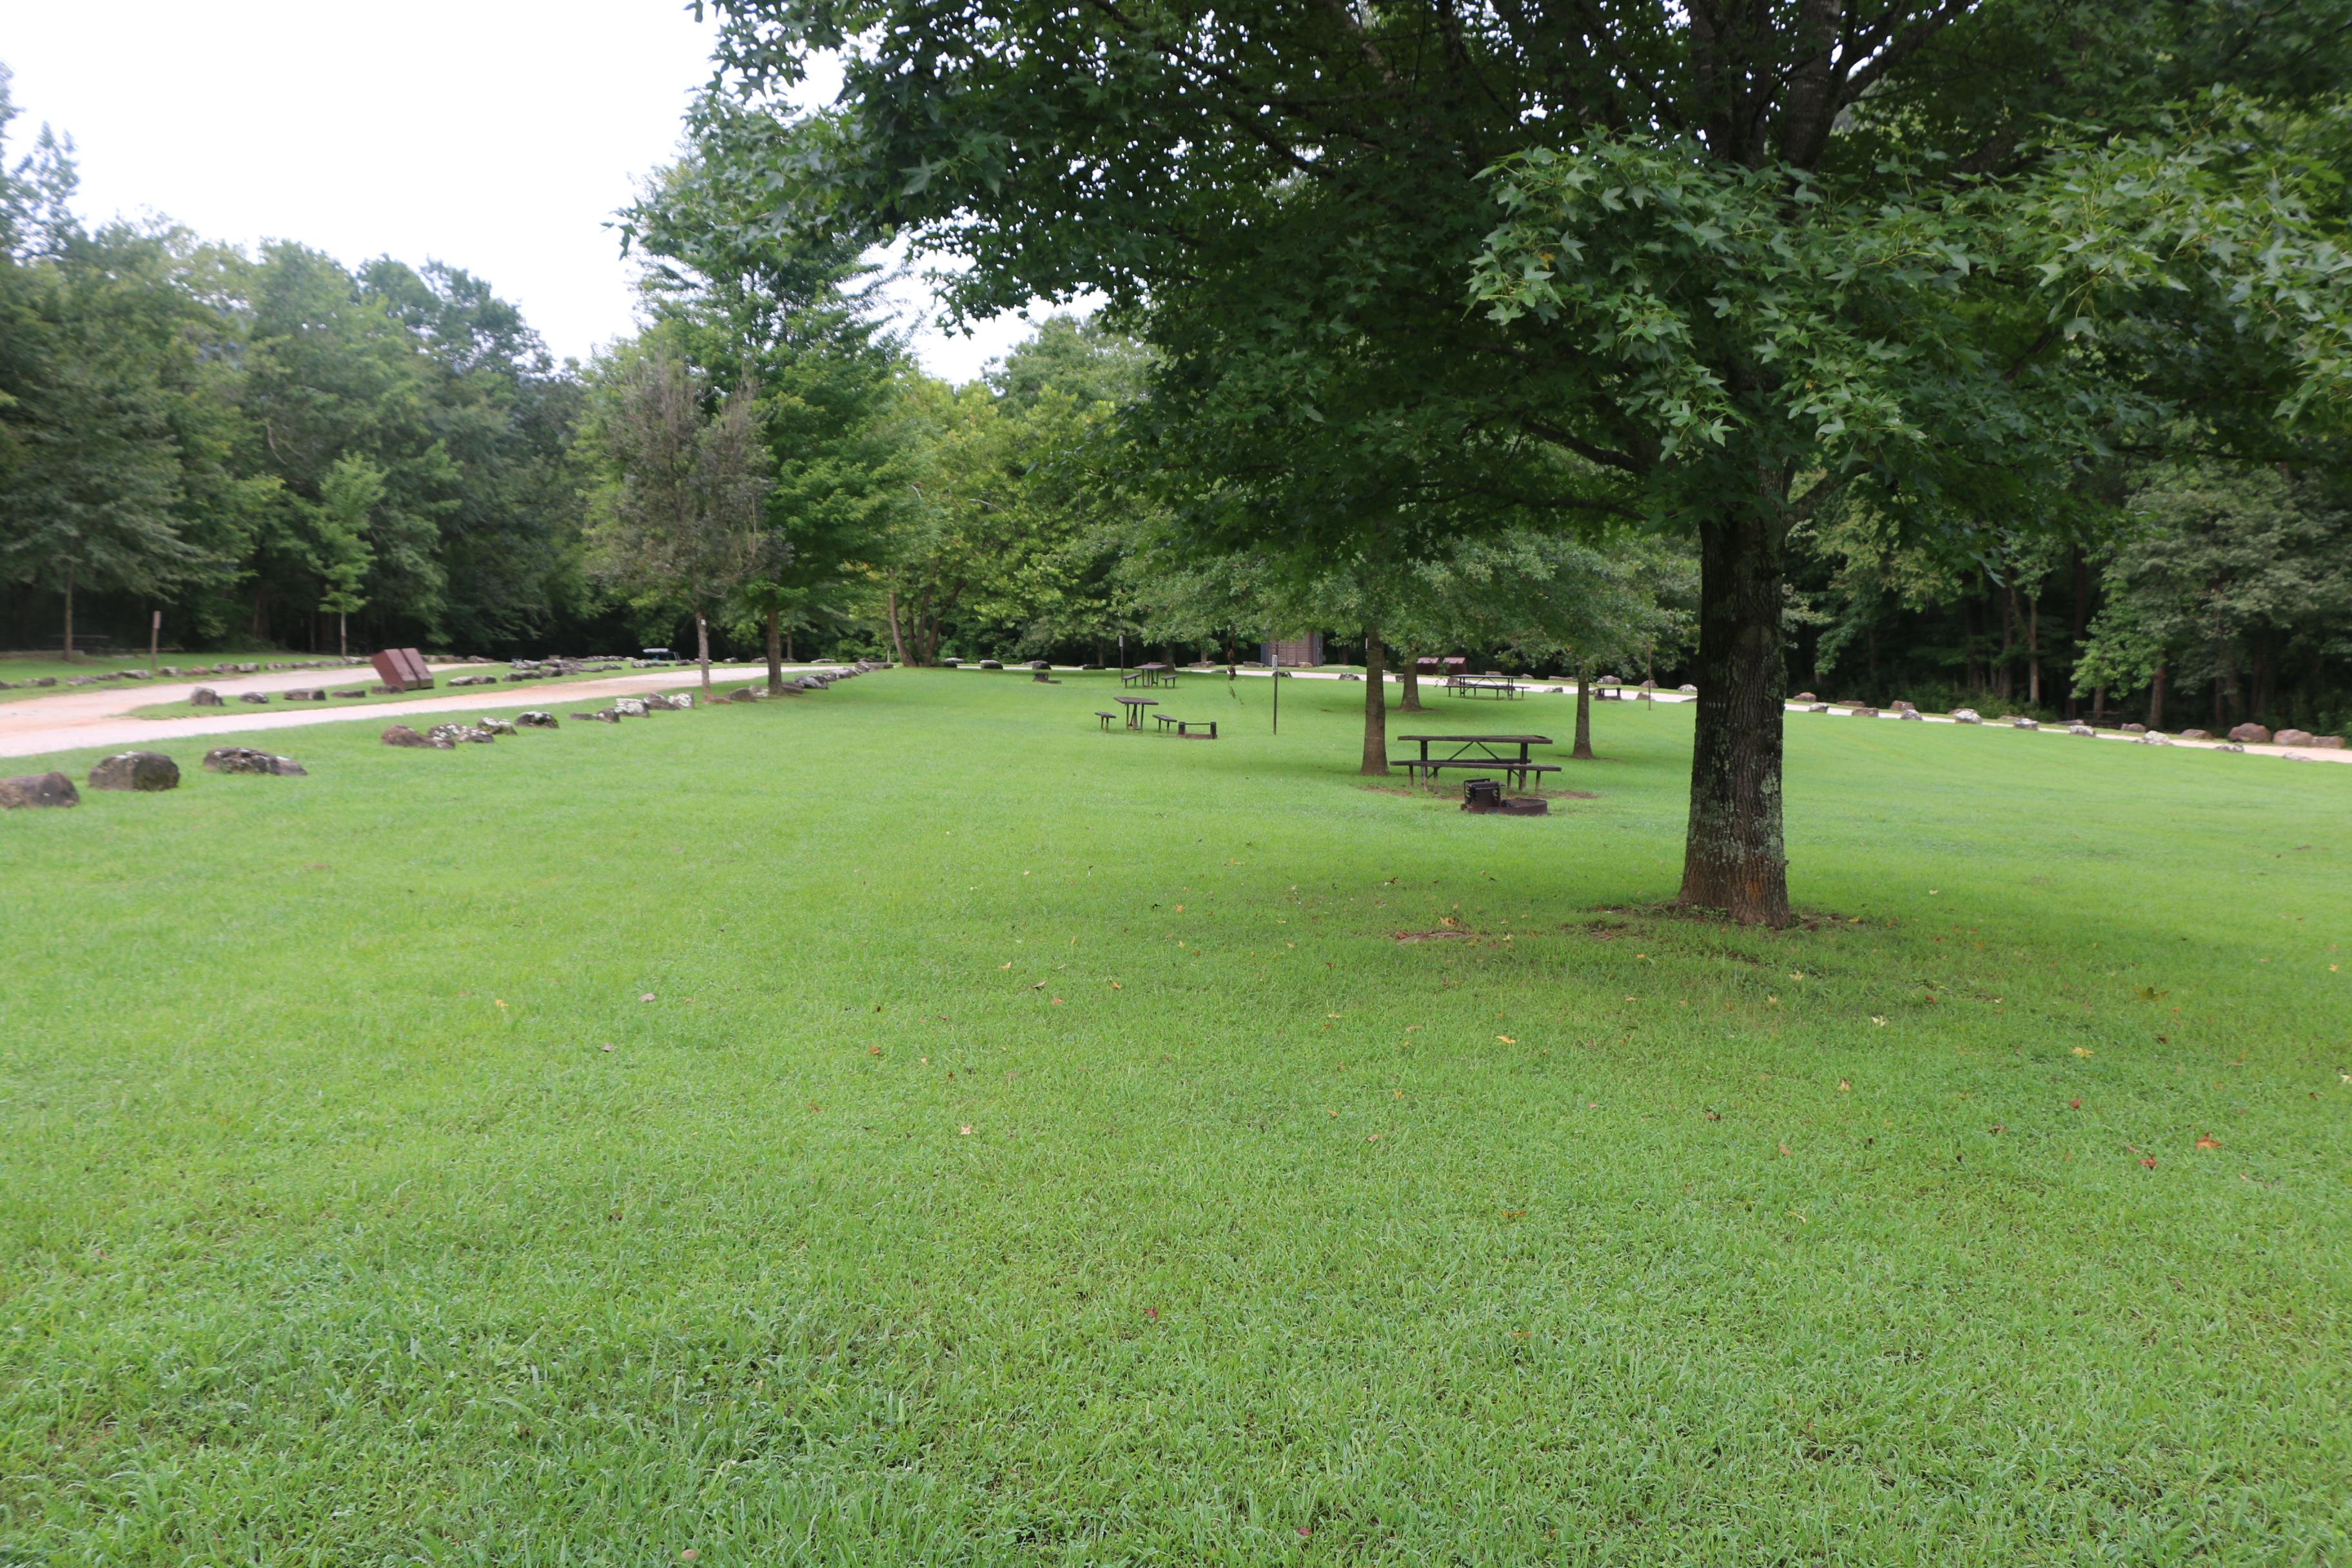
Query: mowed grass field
[[904, 1124]]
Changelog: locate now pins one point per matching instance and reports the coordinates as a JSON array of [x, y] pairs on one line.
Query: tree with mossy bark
[[1732, 262]]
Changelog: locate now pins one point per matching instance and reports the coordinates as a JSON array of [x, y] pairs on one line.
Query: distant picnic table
[[1148, 675], [1135, 707], [1509, 755], [1472, 686]]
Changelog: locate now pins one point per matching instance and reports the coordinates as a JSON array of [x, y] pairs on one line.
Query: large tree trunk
[[898, 641], [1583, 751], [1733, 857], [702, 650], [1411, 665], [775, 652], [2156, 698], [1376, 708], [66, 646]]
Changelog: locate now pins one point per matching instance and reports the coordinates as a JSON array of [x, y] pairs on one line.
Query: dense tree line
[[270, 449]]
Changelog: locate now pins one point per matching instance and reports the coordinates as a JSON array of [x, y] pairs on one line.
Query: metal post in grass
[[155, 636], [1273, 676]]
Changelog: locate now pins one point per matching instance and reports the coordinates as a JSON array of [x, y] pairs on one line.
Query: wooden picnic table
[[1508, 755], [1153, 674], [1135, 707]]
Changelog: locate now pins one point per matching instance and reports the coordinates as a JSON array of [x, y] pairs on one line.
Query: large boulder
[[1687, 691], [2254, 734], [1817, 707], [744, 694], [535, 719], [205, 696], [315, 694], [1803, 697], [1864, 710], [460, 733], [253, 696], [1911, 713], [2293, 738], [246, 760], [136, 770], [1967, 716], [356, 691], [602, 716], [2328, 742], [37, 789], [2195, 735], [2080, 729], [496, 727], [401, 735], [629, 707]]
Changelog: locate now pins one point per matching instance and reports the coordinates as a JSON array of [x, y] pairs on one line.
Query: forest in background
[[277, 451]]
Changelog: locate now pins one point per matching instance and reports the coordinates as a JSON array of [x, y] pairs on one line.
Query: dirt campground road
[[98, 716]]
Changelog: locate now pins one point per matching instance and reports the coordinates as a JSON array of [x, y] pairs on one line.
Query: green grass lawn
[[904, 1124], [23, 668]]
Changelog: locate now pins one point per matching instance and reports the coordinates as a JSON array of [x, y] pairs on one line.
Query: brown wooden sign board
[[403, 669]]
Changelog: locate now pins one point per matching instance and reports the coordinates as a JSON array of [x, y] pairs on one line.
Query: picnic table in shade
[[1135, 707], [1473, 685], [1509, 755], [1153, 674]]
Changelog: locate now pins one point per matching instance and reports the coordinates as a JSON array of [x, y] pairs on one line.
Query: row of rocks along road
[[100, 715]]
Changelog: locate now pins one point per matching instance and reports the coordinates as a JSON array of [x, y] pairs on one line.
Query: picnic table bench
[[1185, 727], [1135, 707], [1509, 755]]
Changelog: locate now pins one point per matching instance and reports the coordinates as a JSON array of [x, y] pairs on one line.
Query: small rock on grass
[[246, 760], [401, 735], [136, 770], [37, 789], [534, 719]]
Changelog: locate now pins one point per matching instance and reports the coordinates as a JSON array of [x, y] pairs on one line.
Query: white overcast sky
[[495, 135]]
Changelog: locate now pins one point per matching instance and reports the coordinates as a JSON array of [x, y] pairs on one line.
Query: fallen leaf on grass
[[1507, 1040], [1715, 1116], [1117, 986], [1843, 1086], [963, 1132], [2081, 1051], [1057, 1001], [1373, 1138], [1039, 986], [608, 1047], [2207, 1140], [812, 1105], [873, 1050], [1515, 1214], [1876, 1019], [1330, 1114], [2148, 1159], [1784, 1148], [647, 997], [2075, 1105]]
